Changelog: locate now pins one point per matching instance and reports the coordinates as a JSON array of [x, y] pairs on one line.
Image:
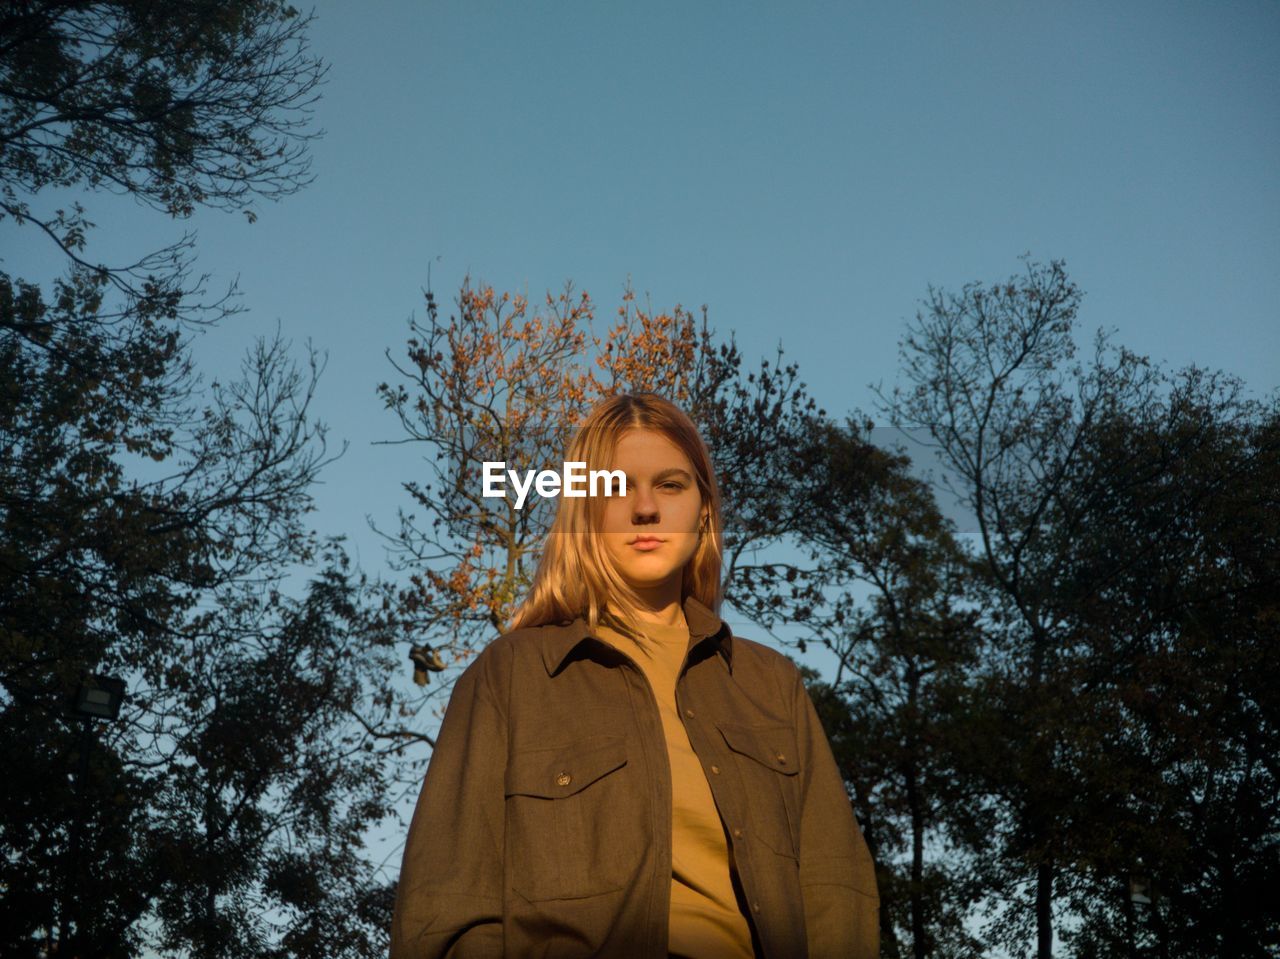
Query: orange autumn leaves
[[507, 379], [658, 352]]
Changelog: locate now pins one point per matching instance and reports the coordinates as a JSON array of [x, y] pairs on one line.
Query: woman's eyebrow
[[674, 471]]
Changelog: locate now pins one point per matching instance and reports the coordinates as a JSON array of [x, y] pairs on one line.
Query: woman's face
[[652, 531]]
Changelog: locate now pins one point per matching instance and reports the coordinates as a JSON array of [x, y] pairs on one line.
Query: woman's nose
[[645, 504]]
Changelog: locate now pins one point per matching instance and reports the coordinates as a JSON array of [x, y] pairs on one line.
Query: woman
[[619, 775]]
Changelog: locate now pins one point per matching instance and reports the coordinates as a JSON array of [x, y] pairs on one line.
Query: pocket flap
[[771, 746], [554, 772]]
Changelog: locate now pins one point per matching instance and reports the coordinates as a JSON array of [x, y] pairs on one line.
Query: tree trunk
[[1130, 922], [1044, 911], [919, 943], [890, 948]]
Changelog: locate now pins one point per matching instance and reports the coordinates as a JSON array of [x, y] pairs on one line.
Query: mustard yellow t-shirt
[[706, 922]]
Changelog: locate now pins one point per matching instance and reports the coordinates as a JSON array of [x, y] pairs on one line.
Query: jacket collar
[[704, 626]]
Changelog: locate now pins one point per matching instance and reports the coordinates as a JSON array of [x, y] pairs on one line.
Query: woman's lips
[[647, 545]]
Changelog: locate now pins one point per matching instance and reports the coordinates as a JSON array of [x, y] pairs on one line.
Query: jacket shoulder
[[764, 655], [508, 652], [764, 661]]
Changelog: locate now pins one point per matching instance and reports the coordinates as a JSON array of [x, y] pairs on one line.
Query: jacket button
[[755, 907], [782, 759], [715, 769], [737, 834], [563, 779], [688, 713]]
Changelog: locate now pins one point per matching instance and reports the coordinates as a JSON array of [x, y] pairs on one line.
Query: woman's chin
[[642, 579]]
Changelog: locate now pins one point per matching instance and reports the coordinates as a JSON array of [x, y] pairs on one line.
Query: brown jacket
[[544, 823]]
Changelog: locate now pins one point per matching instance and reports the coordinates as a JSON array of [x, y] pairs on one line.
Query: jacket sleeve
[[837, 875], [449, 897]]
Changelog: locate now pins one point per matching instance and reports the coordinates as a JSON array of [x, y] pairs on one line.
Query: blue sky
[[804, 170]]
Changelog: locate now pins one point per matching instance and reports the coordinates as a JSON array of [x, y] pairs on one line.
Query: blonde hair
[[575, 576]]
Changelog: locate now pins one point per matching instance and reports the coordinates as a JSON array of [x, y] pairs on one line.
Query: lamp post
[[97, 697]]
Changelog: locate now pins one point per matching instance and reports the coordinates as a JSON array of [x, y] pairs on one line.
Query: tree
[[988, 375], [506, 380], [1186, 632], [893, 603], [180, 105], [238, 758], [497, 383], [149, 528], [1078, 477]]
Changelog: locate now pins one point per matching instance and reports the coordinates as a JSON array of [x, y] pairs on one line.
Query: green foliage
[[1116, 722], [180, 104], [1186, 634], [905, 651], [224, 814], [153, 530]]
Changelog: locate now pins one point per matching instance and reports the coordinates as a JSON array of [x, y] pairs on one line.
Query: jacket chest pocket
[[570, 823], [766, 758]]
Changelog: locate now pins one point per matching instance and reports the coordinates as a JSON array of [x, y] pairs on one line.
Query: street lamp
[[97, 697]]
